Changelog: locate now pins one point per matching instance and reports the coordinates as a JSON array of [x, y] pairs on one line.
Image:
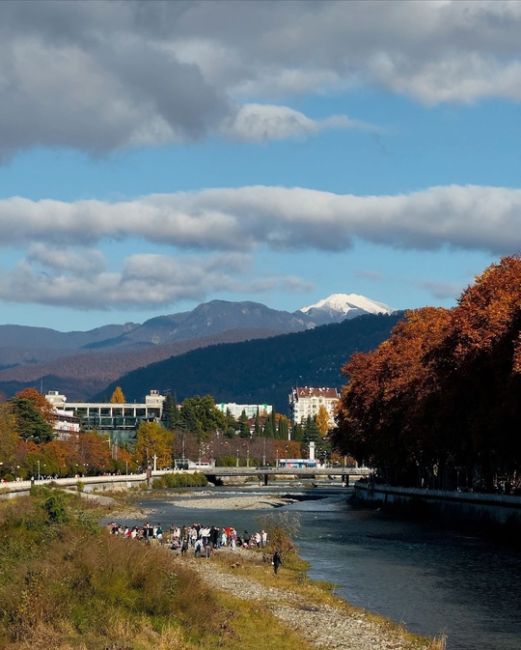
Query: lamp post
[[277, 457], [39, 475], [248, 457], [237, 458]]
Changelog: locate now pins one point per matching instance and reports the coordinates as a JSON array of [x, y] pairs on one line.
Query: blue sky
[[157, 155]]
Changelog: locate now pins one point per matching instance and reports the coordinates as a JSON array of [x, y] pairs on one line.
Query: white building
[[106, 415], [306, 402], [251, 410]]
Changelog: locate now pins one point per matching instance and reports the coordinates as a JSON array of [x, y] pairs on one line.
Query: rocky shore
[[324, 623]]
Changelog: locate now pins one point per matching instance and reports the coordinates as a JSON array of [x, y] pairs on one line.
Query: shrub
[[179, 480]]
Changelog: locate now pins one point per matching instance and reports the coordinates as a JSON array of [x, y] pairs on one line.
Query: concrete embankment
[[497, 511]]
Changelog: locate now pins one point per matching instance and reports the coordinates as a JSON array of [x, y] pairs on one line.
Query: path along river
[[431, 580]]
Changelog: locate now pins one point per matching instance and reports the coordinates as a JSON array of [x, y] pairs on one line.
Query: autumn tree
[[323, 420], [8, 437], [41, 404], [439, 400], [152, 439], [118, 397]]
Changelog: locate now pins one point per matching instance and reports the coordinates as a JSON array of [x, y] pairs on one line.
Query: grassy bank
[[65, 583]]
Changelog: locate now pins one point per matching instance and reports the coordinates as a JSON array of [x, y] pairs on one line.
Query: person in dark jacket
[[276, 561]]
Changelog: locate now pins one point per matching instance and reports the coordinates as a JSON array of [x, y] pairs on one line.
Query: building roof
[[314, 391]]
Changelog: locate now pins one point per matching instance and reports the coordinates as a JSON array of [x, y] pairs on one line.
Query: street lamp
[[248, 457], [237, 459], [39, 475]]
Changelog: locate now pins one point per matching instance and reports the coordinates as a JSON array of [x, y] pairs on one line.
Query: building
[[306, 402], [65, 424], [106, 416], [251, 410]]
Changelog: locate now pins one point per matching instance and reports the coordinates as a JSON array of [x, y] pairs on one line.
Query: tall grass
[[66, 583]]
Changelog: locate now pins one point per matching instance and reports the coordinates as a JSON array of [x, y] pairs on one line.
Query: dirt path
[[323, 625]]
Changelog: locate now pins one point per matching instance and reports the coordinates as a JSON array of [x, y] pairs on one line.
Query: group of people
[[198, 539]]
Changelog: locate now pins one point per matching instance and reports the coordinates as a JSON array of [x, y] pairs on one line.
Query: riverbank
[[310, 609], [67, 584]]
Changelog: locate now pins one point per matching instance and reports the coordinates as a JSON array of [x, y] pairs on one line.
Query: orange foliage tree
[[438, 402]]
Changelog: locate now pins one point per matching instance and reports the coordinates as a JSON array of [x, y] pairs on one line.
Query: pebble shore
[[321, 624]]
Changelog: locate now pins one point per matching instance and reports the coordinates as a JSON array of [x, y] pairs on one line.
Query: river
[[433, 581]]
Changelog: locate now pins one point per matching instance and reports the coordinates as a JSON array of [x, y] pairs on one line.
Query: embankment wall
[[475, 508]]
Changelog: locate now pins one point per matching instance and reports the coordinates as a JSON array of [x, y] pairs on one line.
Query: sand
[[241, 502]]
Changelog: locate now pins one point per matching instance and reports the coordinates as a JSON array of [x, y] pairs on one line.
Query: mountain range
[[261, 371], [82, 363]]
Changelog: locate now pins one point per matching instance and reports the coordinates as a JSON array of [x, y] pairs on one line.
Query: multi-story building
[[106, 415], [251, 410], [306, 401]]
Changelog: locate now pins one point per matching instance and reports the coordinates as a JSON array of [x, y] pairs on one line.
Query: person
[[276, 561]]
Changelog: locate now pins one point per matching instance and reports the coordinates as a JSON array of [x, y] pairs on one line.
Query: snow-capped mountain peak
[[339, 306]]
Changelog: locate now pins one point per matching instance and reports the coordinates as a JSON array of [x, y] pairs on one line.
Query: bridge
[[265, 473], [89, 483]]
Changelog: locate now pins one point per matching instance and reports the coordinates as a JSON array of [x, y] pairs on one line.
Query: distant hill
[[81, 363], [261, 371], [81, 374]]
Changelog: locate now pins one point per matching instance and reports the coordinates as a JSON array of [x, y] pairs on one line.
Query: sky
[[155, 155]]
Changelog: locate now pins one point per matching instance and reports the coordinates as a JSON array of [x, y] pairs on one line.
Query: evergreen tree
[[171, 413], [311, 430], [258, 428], [244, 429], [268, 428], [31, 423], [231, 424], [283, 428], [297, 432]]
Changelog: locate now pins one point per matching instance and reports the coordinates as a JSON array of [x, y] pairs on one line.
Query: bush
[[179, 480]]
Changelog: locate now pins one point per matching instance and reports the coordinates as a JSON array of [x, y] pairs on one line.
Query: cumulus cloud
[[104, 75], [261, 122], [145, 281], [240, 219]]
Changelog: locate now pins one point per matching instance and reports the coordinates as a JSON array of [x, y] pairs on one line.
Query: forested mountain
[[261, 371]]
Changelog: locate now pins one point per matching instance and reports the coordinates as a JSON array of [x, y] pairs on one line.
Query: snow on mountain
[[340, 306]]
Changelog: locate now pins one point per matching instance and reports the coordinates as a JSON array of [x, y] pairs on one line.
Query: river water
[[434, 581]]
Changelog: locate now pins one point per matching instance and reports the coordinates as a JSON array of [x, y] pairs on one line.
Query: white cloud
[[99, 76], [466, 217], [145, 281], [261, 122]]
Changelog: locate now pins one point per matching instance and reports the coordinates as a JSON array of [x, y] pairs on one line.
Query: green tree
[[258, 428], [152, 439], [202, 417], [244, 428], [283, 428], [171, 414], [231, 425], [268, 428], [297, 432], [30, 422], [311, 430]]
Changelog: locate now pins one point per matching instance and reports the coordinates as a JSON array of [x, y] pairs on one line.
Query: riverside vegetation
[[66, 584]]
